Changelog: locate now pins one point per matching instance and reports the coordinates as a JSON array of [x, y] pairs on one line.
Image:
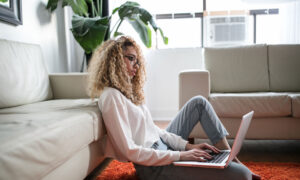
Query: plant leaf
[[145, 16], [165, 39], [128, 9], [3, 1], [78, 6], [118, 34], [133, 11], [52, 5], [89, 32], [115, 10], [142, 29]]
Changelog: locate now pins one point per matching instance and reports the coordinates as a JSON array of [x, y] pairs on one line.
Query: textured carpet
[[267, 170]]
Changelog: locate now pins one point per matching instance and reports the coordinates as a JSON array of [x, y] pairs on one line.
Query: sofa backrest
[[238, 69], [23, 76], [284, 67]]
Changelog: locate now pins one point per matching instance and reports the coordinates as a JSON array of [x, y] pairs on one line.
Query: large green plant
[[89, 27]]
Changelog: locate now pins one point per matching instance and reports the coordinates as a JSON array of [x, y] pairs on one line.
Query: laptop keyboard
[[218, 158]]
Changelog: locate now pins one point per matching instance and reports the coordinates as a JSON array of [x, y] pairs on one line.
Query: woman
[[117, 76]]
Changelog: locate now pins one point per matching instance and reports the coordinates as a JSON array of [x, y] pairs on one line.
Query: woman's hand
[[203, 146], [194, 155], [197, 152]]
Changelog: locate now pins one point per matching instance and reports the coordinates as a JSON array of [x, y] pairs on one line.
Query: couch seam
[[268, 65]]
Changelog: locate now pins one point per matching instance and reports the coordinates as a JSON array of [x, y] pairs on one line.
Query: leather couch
[[236, 80], [49, 127]]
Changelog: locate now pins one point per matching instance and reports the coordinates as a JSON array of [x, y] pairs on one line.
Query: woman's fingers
[[207, 156], [202, 154], [200, 159], [196, 155], [210, 147], [216, 150]]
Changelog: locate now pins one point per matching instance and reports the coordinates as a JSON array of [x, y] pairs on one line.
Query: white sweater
[[131, 132]]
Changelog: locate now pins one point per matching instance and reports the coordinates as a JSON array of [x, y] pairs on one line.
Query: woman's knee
[[198, 100]]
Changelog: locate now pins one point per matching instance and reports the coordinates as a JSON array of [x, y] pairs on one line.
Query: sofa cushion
[[43, 135], [23, 78], [295, 104], [238, 69], [263, 104], [284, 62]]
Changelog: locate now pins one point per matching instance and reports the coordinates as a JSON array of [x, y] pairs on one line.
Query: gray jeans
[[197, 109]]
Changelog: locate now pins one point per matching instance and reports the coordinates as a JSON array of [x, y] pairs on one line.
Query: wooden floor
[[262, 150]]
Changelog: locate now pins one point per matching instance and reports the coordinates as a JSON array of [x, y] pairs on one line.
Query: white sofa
[[236, 80], [49, 128]]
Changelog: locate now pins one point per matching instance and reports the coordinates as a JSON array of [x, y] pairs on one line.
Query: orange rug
[[267, 170]]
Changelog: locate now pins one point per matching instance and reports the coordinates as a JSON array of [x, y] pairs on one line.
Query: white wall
[[41, 27], [163, 67], [74, 51]]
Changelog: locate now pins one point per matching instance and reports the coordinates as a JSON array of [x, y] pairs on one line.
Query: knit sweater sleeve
[[113, 107], [173, 140]]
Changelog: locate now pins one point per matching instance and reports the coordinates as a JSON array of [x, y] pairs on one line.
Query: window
[[182, 32], [222, 23], [270, 22], [281, 28], [180, 25]]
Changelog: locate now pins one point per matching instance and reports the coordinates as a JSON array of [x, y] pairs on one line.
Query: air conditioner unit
[[226, 30]]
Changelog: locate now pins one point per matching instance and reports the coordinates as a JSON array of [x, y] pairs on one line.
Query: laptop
[[222, 159]]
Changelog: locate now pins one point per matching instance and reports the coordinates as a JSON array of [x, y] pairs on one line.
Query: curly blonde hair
[[108, 69]]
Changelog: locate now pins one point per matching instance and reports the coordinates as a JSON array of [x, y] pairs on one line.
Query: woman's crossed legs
[[197, 109]]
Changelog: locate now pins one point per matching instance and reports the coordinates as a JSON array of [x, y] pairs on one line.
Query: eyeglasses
[[132, 59]]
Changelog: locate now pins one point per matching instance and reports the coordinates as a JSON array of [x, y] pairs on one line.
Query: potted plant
[[90, 28]]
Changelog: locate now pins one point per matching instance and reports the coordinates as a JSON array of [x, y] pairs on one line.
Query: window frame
[[252, 12]]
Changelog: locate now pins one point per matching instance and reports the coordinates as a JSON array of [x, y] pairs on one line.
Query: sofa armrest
[[69, 85], [193, 83]]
